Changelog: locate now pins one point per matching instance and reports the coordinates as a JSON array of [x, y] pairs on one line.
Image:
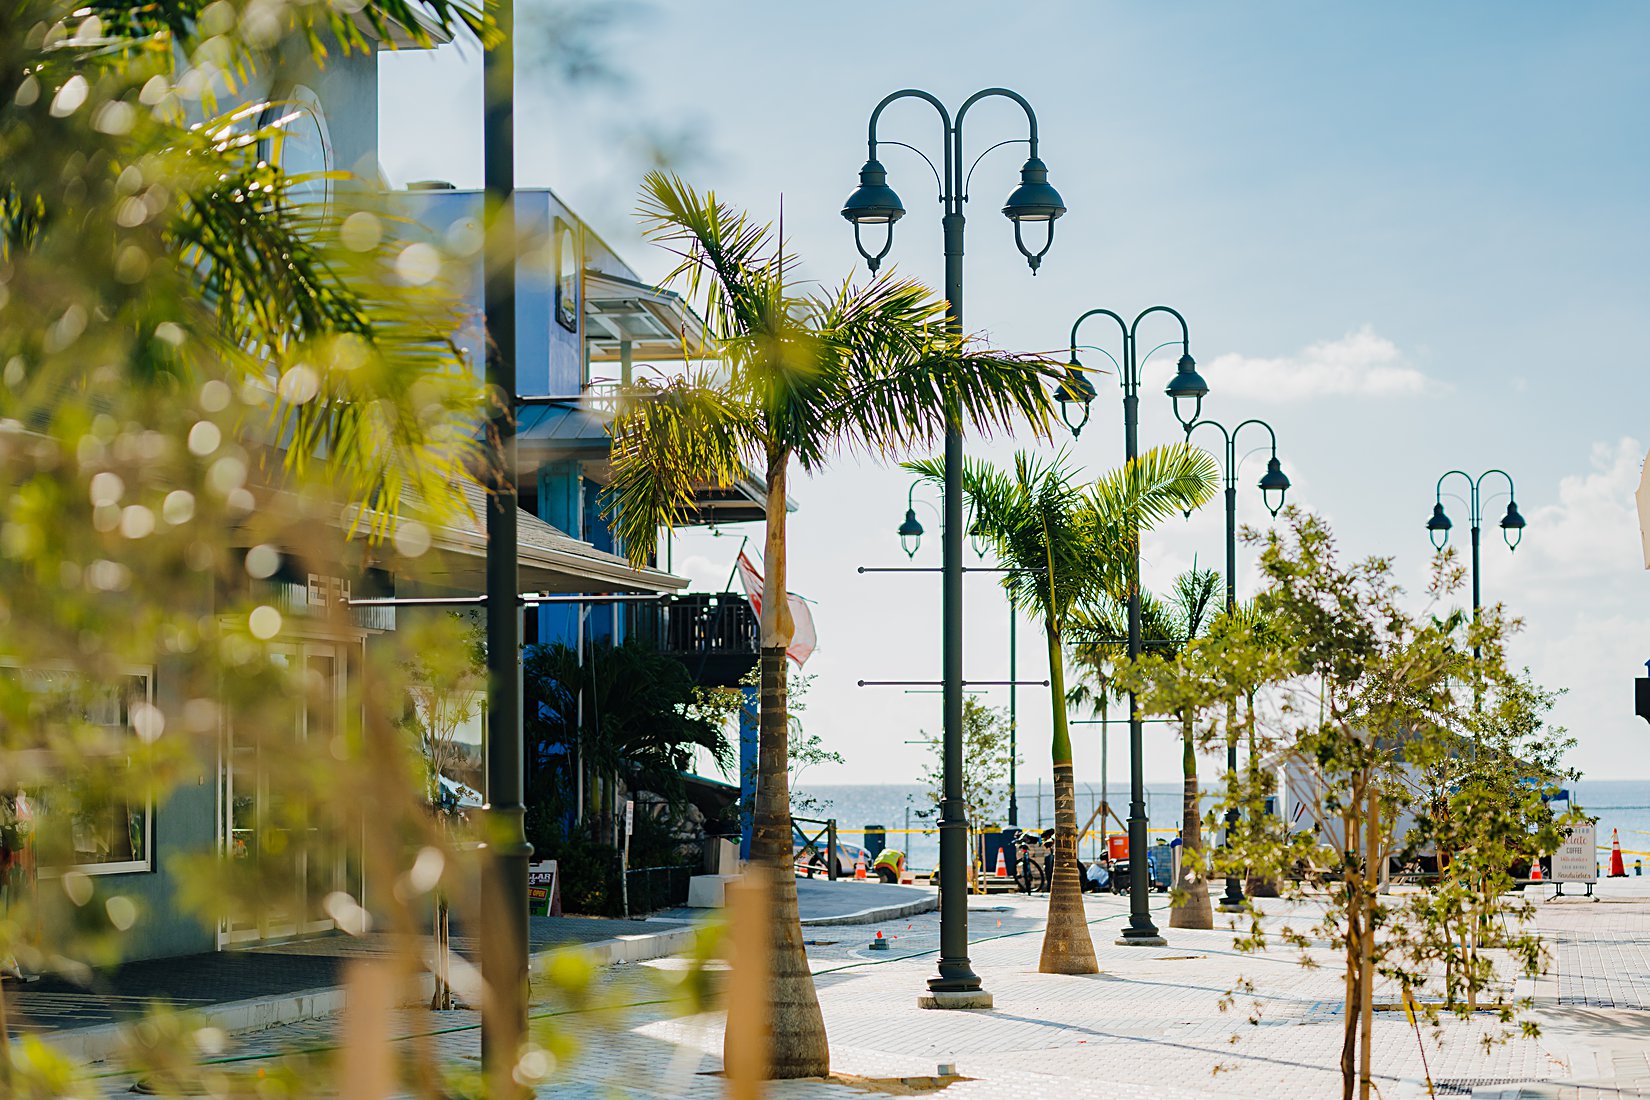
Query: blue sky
[[1411, 236]]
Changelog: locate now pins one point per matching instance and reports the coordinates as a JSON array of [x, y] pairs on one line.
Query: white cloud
[[1578, 584], [1360, 364], [1592, 532]]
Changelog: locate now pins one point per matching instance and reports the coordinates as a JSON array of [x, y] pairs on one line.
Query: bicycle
[[1032, 852]]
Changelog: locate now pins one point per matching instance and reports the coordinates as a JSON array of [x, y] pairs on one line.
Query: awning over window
[[659, 324], [548, 560]]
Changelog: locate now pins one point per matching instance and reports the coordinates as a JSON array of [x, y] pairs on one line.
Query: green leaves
[[1069, 544], [868, 368], [1363, 712]]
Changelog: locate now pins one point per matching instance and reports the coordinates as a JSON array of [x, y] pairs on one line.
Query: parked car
[[811, 863]]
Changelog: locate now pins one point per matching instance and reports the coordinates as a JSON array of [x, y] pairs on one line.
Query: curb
[[98, 1042], [878, 913]]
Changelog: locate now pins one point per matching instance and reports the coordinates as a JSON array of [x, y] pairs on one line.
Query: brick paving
[[196, 981], [1151, 1025]]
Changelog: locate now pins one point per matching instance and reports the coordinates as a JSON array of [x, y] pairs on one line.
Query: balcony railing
[[714, 633]]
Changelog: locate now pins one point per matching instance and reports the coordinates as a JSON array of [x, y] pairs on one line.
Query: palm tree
[[1168, 627], [869, 368], [1069, 545]]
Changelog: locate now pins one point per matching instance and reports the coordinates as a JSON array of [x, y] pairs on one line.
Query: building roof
[[548, 559], [658, 323]]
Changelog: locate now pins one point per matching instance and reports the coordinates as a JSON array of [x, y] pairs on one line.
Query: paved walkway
[[1151, 1025], [200, 982], [203, 982]]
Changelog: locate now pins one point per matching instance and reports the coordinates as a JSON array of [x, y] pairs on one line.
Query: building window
[[567, 276], [299, 144], [95, 822]]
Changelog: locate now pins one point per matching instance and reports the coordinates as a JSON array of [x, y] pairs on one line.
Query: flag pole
[[734, 572]]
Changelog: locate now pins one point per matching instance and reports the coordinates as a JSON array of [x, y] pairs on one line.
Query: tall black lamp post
[[1438, 527], [1274, 483], [1076, 390], [910, 537], [873, 204], [503, 939]]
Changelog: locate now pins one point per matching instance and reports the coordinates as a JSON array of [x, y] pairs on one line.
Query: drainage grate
[[1464, 1086]]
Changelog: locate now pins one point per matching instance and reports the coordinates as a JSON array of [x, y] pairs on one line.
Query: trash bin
[[876, 839]]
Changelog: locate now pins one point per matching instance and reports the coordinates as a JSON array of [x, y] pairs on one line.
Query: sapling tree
[[446, 678], [1363, 726], [985, 764]]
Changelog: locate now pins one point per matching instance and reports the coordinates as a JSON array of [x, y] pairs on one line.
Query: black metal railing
[[701, 622], [654, 888], [713, 633]]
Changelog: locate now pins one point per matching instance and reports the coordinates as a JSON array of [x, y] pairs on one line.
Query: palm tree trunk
[[1191, 908], [798, 1045], [1067, 946]]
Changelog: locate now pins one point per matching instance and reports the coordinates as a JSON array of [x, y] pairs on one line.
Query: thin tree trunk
[[792, 1014], [1370, 898], [1067, 946], [1191, 908], [1254, 885], [1354, 955]]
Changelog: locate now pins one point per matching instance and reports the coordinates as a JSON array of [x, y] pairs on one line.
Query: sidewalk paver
[[1151, 1025]]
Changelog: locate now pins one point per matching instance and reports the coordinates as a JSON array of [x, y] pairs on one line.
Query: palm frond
[[1176, 477], [1194, 595], [896, 368], [669, 440]]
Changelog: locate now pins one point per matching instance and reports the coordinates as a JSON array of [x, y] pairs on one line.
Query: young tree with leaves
[[985, 763], [1168, 626], [205, 377], [1068, 544], [1362, 699], [871, 369]]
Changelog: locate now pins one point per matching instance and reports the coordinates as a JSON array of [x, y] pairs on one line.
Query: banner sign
[[543, 891], [1577, 858]]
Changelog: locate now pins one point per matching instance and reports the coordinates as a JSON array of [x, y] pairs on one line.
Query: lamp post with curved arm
[[874, 203], [1273, 481], [1438, 527], [1186, 385]]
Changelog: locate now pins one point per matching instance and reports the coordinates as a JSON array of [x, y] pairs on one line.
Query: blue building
[[585, 323]]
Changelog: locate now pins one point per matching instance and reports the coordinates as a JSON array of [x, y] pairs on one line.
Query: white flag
[[803, 639]]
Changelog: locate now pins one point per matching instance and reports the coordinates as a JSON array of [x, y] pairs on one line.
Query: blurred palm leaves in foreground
[[216, 380]]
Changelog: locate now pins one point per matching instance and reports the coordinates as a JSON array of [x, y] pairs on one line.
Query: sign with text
[[1577, 858], [543, 895]]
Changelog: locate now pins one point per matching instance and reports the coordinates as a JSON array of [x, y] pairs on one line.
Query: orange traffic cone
[[1002, 864], [1535, 869], [859, 867], [1617, 869]]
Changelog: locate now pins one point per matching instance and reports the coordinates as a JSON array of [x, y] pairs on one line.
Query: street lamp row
[[874, 203]]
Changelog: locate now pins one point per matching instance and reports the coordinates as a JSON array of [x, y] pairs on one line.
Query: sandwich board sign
[[543, 889], [1577, 858]]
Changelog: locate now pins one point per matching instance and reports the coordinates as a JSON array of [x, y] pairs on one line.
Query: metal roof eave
[[658, 323]]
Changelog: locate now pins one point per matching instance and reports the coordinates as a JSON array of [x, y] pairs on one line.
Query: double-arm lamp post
[[1274, 483], [1186, 385], [874, 204], [1512, 524]]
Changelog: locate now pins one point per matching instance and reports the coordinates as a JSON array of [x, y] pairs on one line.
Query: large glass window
[[299, 143], [93, 819]]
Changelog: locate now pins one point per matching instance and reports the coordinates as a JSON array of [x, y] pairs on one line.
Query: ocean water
[[1623, 805]]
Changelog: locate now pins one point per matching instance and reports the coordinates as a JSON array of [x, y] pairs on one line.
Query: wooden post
[[748, 1030]]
